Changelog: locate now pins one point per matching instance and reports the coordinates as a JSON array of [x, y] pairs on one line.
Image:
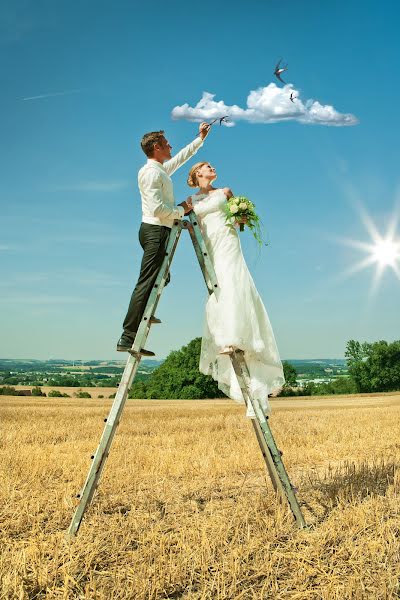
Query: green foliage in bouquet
[[239, 207]]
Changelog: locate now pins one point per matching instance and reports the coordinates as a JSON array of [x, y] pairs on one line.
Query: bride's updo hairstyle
[[192, 177]]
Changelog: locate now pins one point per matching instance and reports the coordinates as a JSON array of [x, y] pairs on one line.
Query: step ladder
[[270, 452]]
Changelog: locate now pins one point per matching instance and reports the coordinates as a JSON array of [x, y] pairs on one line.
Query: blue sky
[[82, 82]]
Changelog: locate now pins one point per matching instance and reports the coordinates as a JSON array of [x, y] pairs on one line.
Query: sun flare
[[382, 251], [386, 252]]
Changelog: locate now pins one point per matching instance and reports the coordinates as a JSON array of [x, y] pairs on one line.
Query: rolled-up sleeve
[[150, 184], [182, 156]]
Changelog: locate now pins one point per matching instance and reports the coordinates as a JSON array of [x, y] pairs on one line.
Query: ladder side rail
[[276, 482], [131, 366], [244, 385], [101, 454], [199, 255], [203, 256], [143, 330], [241, 367]]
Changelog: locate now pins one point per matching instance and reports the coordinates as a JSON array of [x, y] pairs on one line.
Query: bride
[[238, 319]]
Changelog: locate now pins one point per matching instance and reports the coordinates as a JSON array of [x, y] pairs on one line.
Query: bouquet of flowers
[[240, 211]]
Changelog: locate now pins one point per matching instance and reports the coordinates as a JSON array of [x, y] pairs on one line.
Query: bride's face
[[206, 174]]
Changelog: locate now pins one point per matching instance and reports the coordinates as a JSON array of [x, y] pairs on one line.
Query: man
[[159, 212]]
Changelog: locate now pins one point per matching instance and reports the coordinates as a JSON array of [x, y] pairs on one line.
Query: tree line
[[372, 367]]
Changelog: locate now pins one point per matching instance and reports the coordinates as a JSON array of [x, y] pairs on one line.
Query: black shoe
[[124, 344], [121, 348]]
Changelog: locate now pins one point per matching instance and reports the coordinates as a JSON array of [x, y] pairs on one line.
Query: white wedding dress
[[239, 317]]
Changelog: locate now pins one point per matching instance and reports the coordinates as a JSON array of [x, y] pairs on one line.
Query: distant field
[[185, 508], [95, 392]]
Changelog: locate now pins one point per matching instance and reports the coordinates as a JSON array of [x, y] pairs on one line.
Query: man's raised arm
[[188, 151]]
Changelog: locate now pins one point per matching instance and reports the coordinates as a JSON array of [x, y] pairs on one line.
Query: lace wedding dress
[[239, 317]]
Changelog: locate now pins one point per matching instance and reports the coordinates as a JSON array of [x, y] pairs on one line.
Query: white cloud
[[269, 104]]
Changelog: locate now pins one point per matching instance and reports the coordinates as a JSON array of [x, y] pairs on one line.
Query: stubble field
[[185, 508]]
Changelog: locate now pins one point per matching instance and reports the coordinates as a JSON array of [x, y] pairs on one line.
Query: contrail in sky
[[52, 95]]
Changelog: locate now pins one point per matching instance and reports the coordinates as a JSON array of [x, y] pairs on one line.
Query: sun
[[382, 251], [386, 253]]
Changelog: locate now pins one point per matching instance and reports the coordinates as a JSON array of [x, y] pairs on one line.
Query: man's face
[[164, 149]]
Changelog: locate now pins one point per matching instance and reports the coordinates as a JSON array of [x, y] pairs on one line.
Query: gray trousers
[[154, 240]]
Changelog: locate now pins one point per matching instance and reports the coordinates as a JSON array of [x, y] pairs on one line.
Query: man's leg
[[154, 240]]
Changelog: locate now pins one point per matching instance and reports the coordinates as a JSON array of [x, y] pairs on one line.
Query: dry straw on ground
[[185, 509]]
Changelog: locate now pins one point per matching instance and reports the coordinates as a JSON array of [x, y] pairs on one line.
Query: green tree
[[290, 374], [344, 385], [138, 390], [36, 391], [57, 394], [82, 394], [375, 367], [355, 352], [178, 377], [7, 390]]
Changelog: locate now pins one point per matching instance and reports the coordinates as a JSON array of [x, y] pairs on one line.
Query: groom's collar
[[155, 163]]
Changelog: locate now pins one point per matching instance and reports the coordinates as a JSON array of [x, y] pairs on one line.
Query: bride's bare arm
[[208, 205], [228, 192]]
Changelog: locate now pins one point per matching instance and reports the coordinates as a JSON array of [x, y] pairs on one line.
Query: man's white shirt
[[156, 189]]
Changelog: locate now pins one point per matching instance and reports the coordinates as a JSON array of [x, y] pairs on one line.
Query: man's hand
[[204, 129], [187, 205]]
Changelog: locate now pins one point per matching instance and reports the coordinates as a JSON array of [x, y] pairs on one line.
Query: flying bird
[[220, 119], [292, 98], [279, 70]]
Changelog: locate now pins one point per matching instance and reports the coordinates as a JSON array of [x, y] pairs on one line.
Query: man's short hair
[[148, 141]]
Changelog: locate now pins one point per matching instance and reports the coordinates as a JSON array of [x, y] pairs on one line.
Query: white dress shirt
[[156, 189]]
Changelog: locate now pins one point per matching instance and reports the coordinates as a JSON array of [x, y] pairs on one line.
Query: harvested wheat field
[[185, 508]]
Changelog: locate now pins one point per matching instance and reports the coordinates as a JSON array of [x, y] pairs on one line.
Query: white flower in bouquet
[[240, 210]]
